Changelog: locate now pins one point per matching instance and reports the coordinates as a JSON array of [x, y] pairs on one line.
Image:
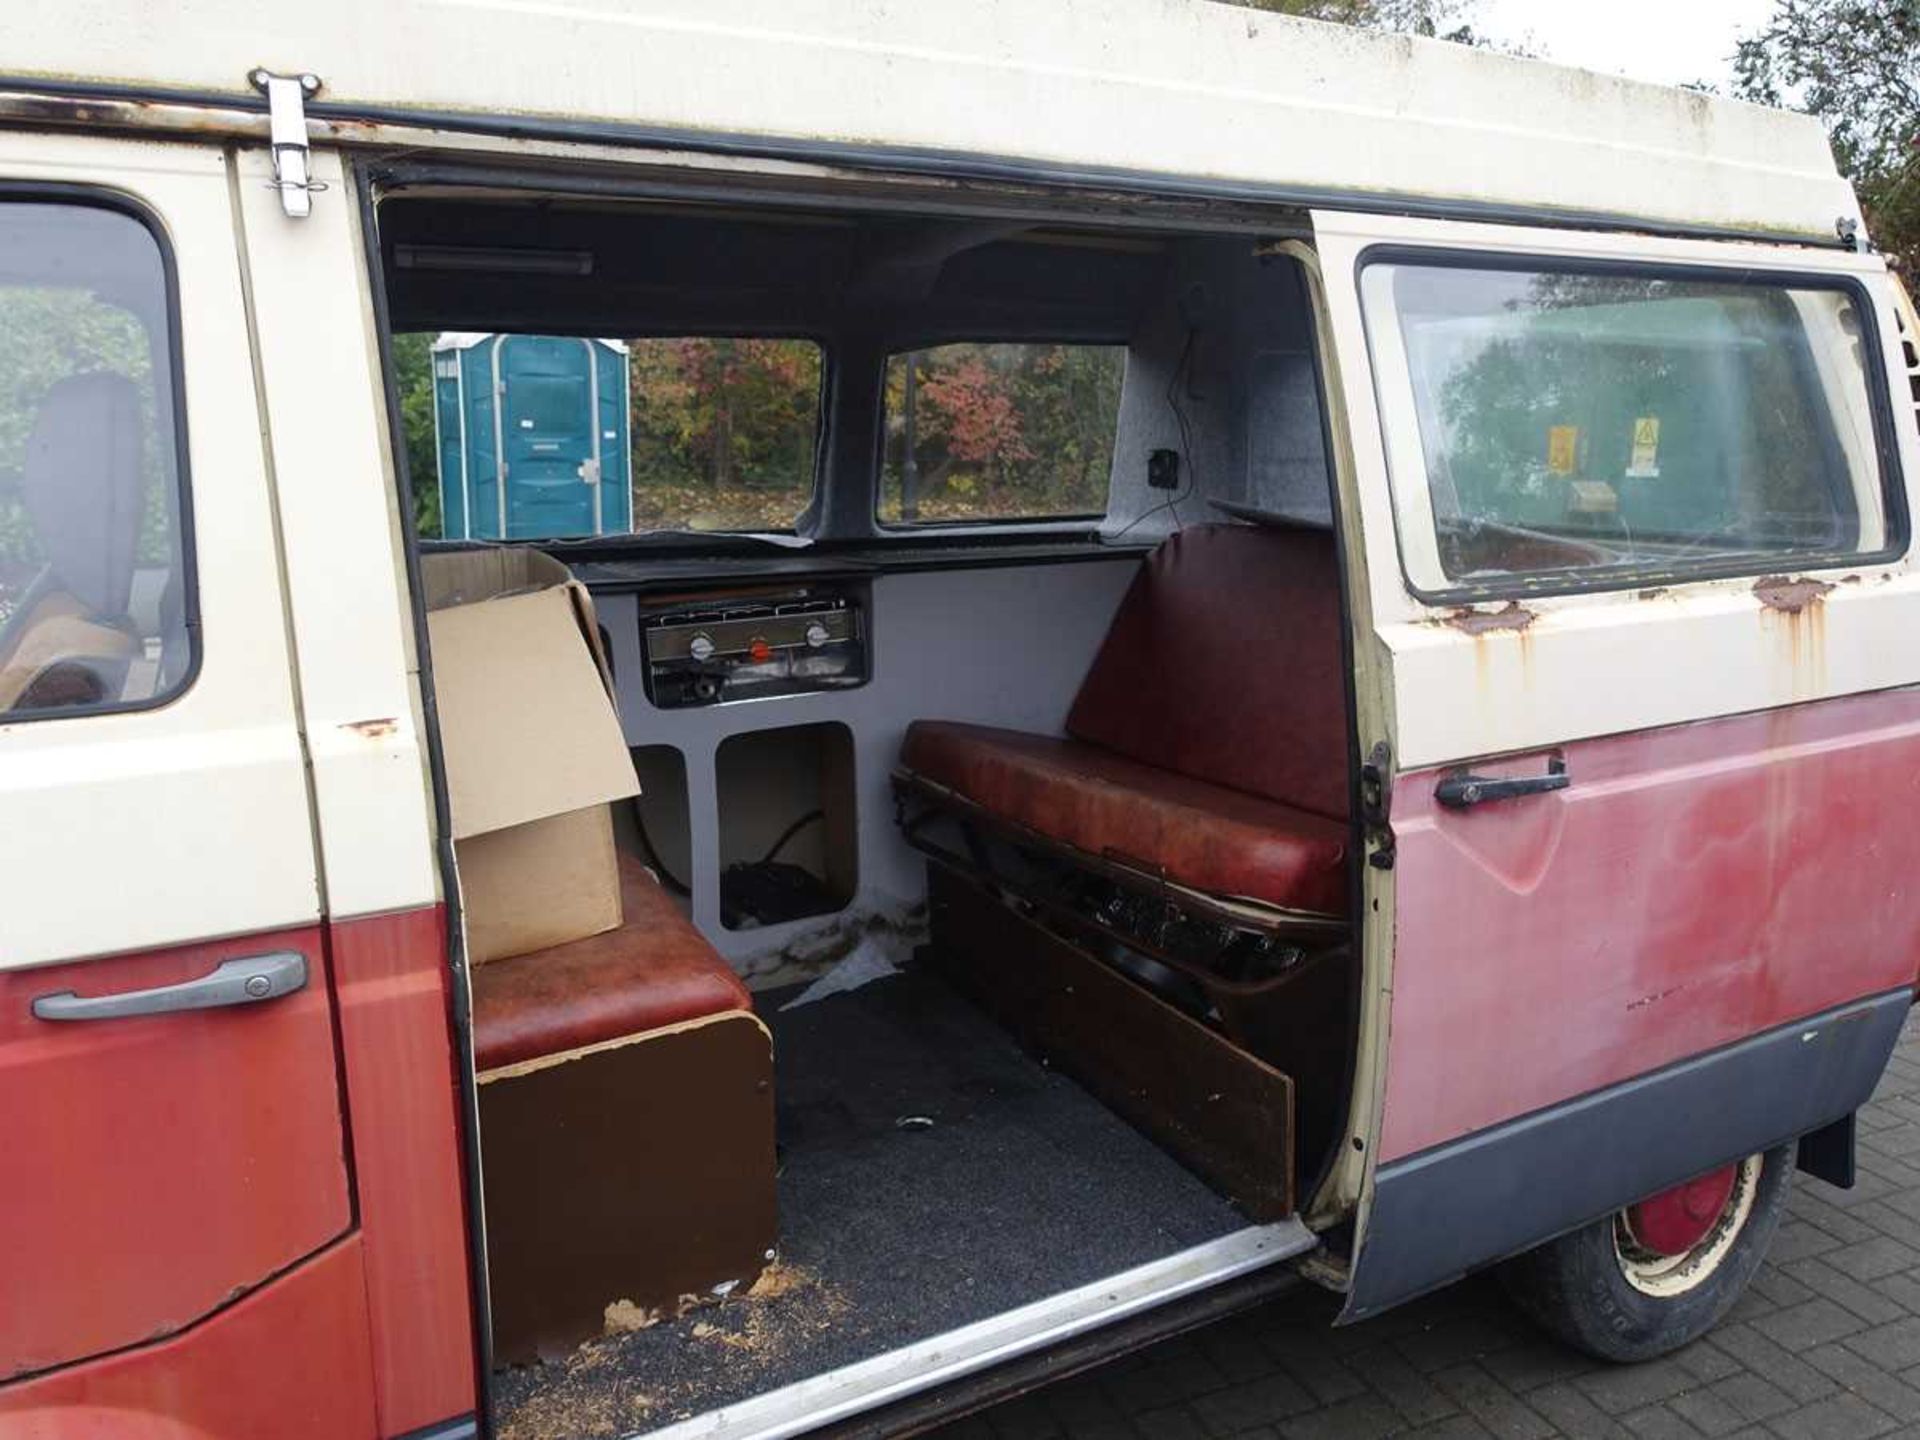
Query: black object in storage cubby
[[788, 844]]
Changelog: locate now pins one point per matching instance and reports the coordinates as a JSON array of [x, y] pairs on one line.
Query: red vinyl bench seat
[[1208, 743]]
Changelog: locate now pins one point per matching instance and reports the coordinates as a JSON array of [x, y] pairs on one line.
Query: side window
[[1560, 424], [94, 585], [980, 432], [543, 437]]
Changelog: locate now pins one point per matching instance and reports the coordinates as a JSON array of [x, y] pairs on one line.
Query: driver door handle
[[1461, 790], [235, 982]]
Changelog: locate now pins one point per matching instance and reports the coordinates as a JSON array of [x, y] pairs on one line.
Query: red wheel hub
[[1676, 1220]]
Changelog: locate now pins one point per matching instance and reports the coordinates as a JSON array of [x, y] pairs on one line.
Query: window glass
[[606, 437], [979, 432], [93, 580], [1579, 422]]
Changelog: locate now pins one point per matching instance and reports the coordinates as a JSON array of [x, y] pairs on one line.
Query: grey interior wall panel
[[996, 647], [1228, 348]]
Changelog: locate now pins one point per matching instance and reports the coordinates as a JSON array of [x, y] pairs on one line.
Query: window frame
[[1079, 522], [1599, 580], [96, 197]]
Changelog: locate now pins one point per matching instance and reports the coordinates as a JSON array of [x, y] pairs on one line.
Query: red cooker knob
[[759, 651]]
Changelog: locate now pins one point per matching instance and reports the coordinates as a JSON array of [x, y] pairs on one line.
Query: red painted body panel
[[159, 1167], [289, 1361], [1692, 886], [396, 1040]]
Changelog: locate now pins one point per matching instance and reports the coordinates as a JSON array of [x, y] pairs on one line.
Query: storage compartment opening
[[787, 830], [657, 825]]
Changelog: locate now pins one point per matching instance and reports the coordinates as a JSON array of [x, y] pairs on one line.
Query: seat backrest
[[1224, 663], [82, 483]]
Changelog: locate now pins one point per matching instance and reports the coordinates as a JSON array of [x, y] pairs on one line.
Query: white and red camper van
[[1246, 651]]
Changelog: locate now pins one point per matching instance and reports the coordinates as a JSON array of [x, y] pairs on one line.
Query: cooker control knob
[[700, 647], [817, 635]]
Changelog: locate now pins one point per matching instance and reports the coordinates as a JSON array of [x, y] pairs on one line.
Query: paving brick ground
[[1826, 1343]]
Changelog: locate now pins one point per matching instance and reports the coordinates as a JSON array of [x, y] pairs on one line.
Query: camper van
[[1174, 653]]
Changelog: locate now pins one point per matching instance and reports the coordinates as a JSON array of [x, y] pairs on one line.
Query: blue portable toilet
[[531, 434]]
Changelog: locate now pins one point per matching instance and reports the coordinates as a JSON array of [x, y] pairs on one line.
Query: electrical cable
[[1172, 502], [792, 830], [659, 866]]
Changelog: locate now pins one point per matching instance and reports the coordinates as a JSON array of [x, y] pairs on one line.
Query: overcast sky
[[1669, 41]]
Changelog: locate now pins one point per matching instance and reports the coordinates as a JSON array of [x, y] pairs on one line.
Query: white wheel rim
[[1666, 1276]]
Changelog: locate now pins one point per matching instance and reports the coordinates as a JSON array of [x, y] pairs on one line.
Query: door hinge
[[1376, 805], [287, 97]]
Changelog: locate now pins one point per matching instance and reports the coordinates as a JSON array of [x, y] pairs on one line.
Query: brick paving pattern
[[1826, 1342]]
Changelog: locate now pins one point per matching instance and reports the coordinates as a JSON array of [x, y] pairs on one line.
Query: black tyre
[[1661, 1273]]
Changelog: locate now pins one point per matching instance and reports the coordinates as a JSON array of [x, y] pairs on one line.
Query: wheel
[[1660, 1273]]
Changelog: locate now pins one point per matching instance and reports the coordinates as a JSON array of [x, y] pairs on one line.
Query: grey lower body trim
[[840, 1394], [1459, 1206], [466, 1427]]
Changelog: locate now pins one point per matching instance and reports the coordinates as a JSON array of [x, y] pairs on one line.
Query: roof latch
[[287, 97]]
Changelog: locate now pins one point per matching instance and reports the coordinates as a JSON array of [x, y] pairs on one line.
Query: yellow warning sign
[[1645, 464], [1563, 441]]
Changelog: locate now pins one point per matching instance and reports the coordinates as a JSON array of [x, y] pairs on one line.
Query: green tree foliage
[[1855, 64], [1438, 19], [723, 431], [413, 378], [1002, 431]]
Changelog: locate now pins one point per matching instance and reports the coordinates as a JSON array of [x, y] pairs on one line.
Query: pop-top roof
[[1168, 87]]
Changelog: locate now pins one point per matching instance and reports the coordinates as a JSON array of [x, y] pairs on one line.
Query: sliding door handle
[[236, 982], [1461, 790]]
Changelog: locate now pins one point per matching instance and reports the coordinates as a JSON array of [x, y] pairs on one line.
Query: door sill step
[[839, 1394]]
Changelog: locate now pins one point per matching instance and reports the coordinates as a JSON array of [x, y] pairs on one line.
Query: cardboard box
[[533, 748]]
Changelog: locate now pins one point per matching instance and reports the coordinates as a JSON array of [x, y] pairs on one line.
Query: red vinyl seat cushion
[[1209, 739], [1197, 834], [654, 970]]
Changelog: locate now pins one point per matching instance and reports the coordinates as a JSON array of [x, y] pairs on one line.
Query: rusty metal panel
[[1689, 887]]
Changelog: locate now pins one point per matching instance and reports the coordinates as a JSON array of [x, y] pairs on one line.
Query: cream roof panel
[[1169, 86]]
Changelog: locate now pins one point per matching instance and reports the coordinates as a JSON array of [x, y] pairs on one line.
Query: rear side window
[[985, 432], [94, 589], [1558, 426]]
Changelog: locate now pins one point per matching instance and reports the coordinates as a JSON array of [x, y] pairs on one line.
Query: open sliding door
[[1635, 534]]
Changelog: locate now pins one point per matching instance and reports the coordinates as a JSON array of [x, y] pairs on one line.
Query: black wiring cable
[[667, 877], [1172, 502], [792, 830]]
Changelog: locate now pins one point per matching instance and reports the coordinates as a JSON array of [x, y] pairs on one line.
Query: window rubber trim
[[1893, 496], [97, 197]]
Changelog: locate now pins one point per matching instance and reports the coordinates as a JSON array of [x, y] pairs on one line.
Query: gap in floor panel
[[932, 1175]]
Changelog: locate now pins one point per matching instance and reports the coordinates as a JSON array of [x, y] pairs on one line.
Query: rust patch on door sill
[[1511, 616], [1789, 595]]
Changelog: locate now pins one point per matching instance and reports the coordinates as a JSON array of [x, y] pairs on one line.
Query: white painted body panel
[[1604, 663], [1168, 86], [345, 562], [137, 830]]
